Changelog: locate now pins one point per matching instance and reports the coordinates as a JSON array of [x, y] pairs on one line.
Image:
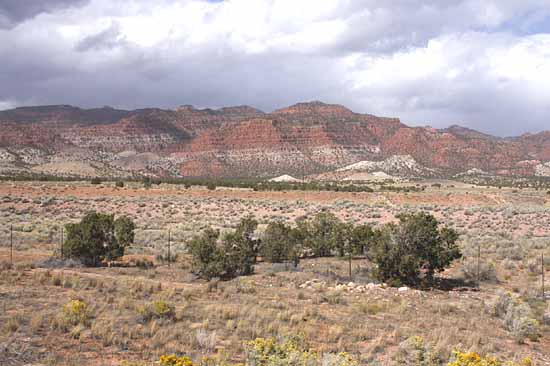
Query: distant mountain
[[305, 138], [467, 133]]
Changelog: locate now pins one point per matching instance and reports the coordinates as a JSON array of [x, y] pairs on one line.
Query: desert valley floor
[[510, 228]]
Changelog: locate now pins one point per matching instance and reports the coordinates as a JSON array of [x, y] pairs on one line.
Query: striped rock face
[[303, 139]]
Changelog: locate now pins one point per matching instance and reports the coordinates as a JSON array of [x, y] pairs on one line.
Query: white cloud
[[487, 81], [7, 104], [432, 61]]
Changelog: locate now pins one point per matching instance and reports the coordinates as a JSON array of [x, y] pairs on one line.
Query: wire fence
[[165, 243], [48, 240]]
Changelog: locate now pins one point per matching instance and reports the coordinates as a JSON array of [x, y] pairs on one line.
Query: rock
[[403, 289], [317, 286], [285, 179], [229, 141]]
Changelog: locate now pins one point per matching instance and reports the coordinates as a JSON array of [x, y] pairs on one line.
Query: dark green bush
[[416, 245], [279, 243], [119, 184], [98, 237], [95, 180], [241, 248], [147, 182], [233, 255], [321, 234], [124, 232], [208, 261], [362, 238], [403, 252]]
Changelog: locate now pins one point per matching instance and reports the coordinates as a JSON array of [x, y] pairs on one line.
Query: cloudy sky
[[484, 64]]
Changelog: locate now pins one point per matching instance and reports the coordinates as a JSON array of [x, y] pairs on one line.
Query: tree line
[[407, 252]]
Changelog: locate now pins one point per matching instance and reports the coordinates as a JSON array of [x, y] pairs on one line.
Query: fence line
[[168, 260], [54, 236]]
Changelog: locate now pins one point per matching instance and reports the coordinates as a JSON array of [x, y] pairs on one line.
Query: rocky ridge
[[299, 140]]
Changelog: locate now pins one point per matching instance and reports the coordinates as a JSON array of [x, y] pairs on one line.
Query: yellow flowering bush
[[162, 309], [270, 352], [474, 359], [159, 309], [76, 312], [75, 315], [173, 360], [134, 363]]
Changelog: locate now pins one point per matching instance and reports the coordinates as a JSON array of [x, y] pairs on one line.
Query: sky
[[483, 64]]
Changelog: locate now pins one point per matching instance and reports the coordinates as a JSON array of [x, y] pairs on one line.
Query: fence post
[[350, 276], [478, 264], [169, 255], [62, 239], [349, 262], [11, 245]]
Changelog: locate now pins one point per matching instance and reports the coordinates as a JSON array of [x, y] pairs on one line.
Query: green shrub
[[124, 233], [343, 239], [520, 322], [95, 180], [75, 313], [233, 255], [291, 352], [321, 234], [416, 244], [325, 235], [158, 309], [352, 240], [362, 238], [98, 237], [279, 243], [516, 315], [415, 352], [487, 271], [147, 182], [207, 256], [241, 249], [119, 184]]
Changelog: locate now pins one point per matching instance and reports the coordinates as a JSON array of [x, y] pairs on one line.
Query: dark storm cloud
[[214, 78], [13, 12], [110, 37]]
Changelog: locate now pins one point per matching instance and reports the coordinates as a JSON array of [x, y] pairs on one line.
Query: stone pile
[[352, 287]]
